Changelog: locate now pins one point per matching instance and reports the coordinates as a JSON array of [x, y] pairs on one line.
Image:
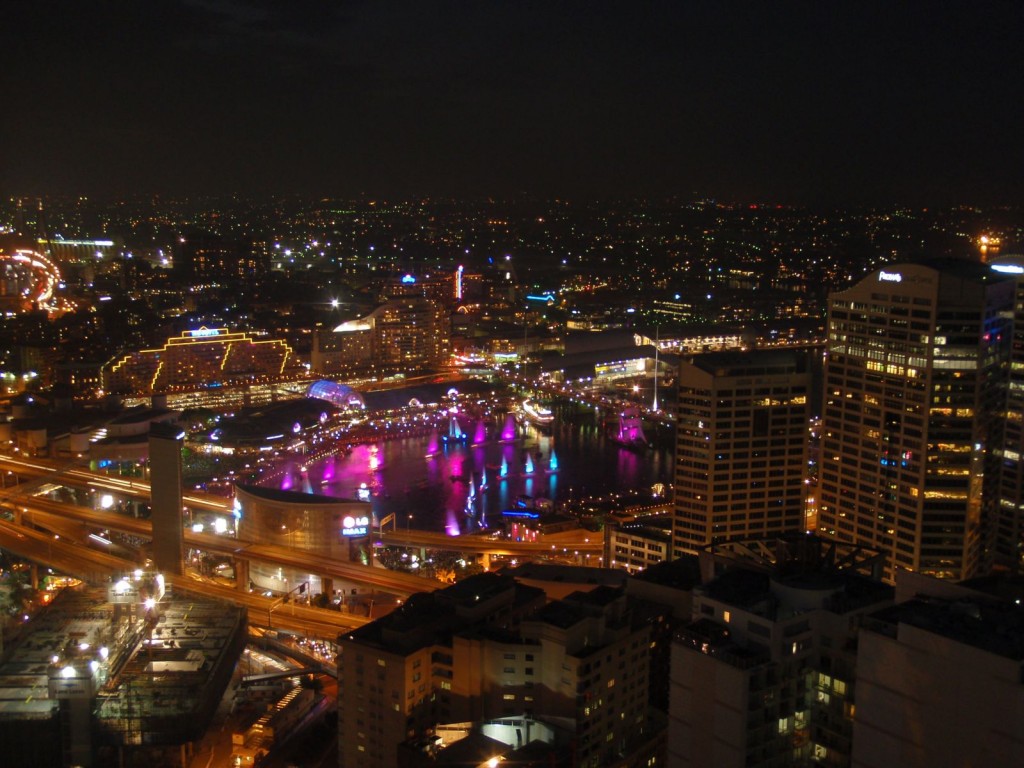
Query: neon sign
[[355, 526], [890, 277], [203, 332]]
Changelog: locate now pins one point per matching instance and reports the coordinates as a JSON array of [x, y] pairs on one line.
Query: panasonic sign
[[890, 277]]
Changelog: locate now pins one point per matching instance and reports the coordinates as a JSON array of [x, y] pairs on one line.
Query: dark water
[[426, 484]]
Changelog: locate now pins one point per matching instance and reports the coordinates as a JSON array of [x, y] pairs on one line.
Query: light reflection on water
[[421, 477]]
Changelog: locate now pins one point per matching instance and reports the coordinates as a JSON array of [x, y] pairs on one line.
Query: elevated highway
[[56, 516], [92, 565], [579, 540], [75, 476]]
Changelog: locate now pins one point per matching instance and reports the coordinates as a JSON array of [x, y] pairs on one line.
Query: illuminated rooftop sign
[[407, 279], [1008, 269], [203, 332], [890, 277]]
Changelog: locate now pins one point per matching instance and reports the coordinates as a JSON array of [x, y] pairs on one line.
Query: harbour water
[[462, 485]]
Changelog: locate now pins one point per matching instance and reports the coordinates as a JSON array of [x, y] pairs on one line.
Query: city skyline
[[787, 103]]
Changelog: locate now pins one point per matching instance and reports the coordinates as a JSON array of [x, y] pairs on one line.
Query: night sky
[[819, 102]]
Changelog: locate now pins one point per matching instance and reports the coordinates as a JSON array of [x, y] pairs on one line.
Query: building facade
[[1009, 535], [939, 683], [765, 673], [912, 420], [640, 543], [488, 650], [741, 446], [201, 359], [202, 258], [405, 334]]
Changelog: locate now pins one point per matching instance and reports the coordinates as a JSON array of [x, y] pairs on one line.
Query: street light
[[301, 589]]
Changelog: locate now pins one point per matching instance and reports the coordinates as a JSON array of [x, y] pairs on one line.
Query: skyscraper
[[765, 673], [741, 446], [912, 414], [1009, 534], [567, 679], [401, 335]]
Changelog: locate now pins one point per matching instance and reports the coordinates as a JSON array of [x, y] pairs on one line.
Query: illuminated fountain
[[480, 437], [330, 466], [553, 463], [470, 509], [503, 472], [451, 524], [528, 468], [508, 432], [455, 433], [433, 447]]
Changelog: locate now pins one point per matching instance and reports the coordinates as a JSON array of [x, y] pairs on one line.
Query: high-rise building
[[402, 335], [939, 683], [208, 259], [765, 673], [741, 446], [412, 333], [797, 654], [1009, 534], [491, 656], [438, 287], [912, 416]]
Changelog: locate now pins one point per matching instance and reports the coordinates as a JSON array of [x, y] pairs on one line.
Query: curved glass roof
[[336, 393]]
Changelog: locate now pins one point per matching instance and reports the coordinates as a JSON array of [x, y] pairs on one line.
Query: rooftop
[[163, 673], [291, 497], [997, 628], [758, 361]]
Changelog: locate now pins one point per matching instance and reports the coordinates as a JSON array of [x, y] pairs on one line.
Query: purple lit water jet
[[451, 523], [508, 432]]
